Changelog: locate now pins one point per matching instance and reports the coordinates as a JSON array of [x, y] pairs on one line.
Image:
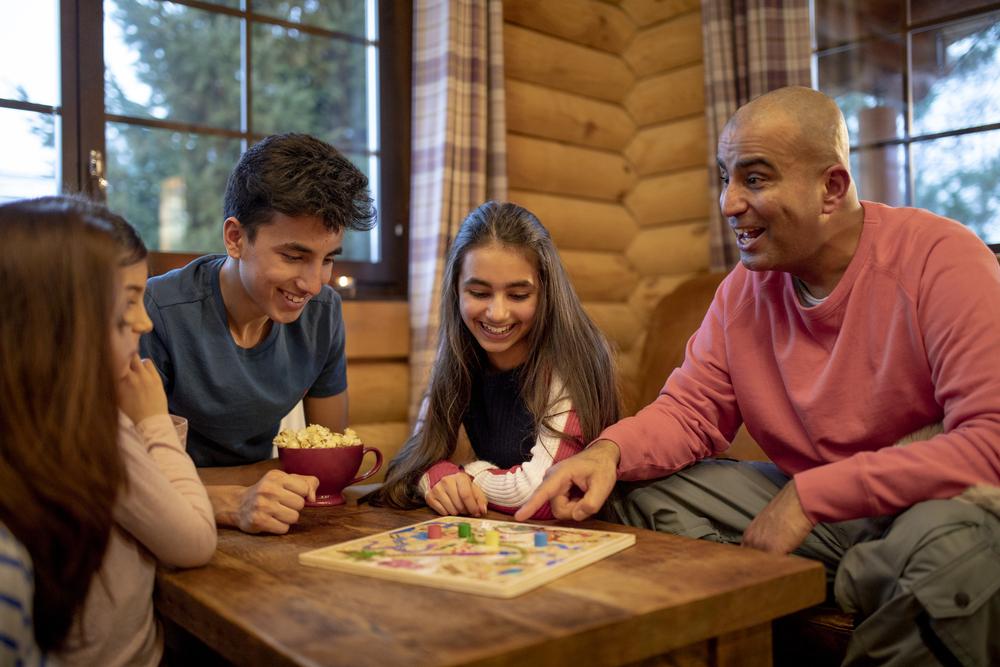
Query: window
[[917, 82], [154, 107]]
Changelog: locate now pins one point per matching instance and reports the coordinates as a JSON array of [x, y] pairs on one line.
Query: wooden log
[[590, 23], [670, 198], [550, 114], [617, 321], [553, 168], [677, 145], [377, 329], [663, 97], [379, 392], [555, 63], [580, 224], [599, 276], [387, 437], [650, 290], [666, 46], [673, 250], [646, 12]]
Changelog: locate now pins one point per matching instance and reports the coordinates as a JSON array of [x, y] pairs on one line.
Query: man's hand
[[272, 505], [457, 494], [782, 526], [140, 392], [593, 471]]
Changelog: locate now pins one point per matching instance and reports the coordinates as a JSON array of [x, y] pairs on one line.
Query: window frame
[[904, 31], [84, 117]]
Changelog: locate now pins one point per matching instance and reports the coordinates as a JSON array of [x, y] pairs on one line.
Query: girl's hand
[[457, 495], [140, 392]]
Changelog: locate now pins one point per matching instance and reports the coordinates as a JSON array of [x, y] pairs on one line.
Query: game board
[[470, 565]]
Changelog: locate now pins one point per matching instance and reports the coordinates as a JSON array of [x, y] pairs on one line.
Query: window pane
[[867, 82], [959, 177], [29, 164], [172, 62], [880, 174], [305, 83], [838, 22], [347, 16], [955, 82], [363, 246], [29, 51], [170, 185], [928, 10]]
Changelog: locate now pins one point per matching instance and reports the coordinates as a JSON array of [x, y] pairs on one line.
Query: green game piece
[[464, 530]]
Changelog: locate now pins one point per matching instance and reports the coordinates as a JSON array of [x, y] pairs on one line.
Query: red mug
[[335, 467]]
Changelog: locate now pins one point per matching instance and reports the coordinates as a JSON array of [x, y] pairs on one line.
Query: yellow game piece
[[492, 538]]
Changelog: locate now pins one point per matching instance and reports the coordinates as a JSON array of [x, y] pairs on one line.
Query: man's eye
[[291, 258], [754, 180], [724, 178]]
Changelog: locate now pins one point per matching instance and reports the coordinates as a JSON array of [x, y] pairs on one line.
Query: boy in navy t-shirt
[[240, 338]]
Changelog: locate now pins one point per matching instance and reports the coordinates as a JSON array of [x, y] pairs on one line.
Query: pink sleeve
[[435, 474], [165, 506], [695, 415], [958, 310]]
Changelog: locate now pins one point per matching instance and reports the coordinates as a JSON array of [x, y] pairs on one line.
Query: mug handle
[[374, 468]]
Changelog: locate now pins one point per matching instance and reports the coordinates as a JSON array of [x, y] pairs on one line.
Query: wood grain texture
[[256, 605], [673, 94], [599, 276], [650, 290], [580, 224], [665, 46], [554, 168], [672, 250], [621, 326], [675, 145], [544, 112], [378, 391], [673, 197], [586, 22], [556, 63], [646, 12], [377, 329]]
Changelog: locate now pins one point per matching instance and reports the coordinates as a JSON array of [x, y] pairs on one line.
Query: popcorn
[[315, 436]]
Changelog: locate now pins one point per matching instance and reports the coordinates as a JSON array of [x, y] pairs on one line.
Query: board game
[[495, 558]]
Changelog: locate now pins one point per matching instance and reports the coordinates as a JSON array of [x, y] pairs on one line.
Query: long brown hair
[[61, 467], [563, 343]]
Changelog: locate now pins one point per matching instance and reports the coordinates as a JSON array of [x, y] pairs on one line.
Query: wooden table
[[667, 600]]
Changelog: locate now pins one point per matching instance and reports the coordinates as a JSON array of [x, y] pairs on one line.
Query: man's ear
[[836, 185], [234, 236]]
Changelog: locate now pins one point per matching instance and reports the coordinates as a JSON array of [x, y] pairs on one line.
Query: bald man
[[848, 325]]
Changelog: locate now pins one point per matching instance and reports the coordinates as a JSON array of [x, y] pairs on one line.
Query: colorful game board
[[498, 558]]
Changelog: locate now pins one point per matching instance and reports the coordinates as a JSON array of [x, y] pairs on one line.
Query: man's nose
[[311, 280], [731, 201]]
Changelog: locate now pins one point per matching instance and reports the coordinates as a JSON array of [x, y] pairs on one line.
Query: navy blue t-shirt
[[234, 398]]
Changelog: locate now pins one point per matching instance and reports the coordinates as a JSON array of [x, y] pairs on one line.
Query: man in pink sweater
[[848, 326]]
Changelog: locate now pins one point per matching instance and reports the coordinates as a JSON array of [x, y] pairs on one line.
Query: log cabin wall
[[606, 143], [378, 375]]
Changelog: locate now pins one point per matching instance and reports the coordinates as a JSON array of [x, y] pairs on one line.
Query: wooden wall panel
[[388, 437], [547, 166], [600, 276], [673, 249], [377, 329], [547, 61], [665, 46], [674, 94], [580, 224], [645, 12], [678, 145], [617, 321], [543, 112], [682, 195], [650, 290], [585, 22], [379, 391]]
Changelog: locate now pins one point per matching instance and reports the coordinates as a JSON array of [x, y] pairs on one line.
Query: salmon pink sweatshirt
[[908, 337]]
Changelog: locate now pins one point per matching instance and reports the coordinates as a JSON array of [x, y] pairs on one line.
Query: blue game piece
[[541, 539]]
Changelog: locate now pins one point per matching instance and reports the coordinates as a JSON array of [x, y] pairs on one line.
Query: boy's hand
[[457, 495], [140, 392]]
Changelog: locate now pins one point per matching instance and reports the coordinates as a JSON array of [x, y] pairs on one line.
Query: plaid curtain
[[459, 149], [751, 47]]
